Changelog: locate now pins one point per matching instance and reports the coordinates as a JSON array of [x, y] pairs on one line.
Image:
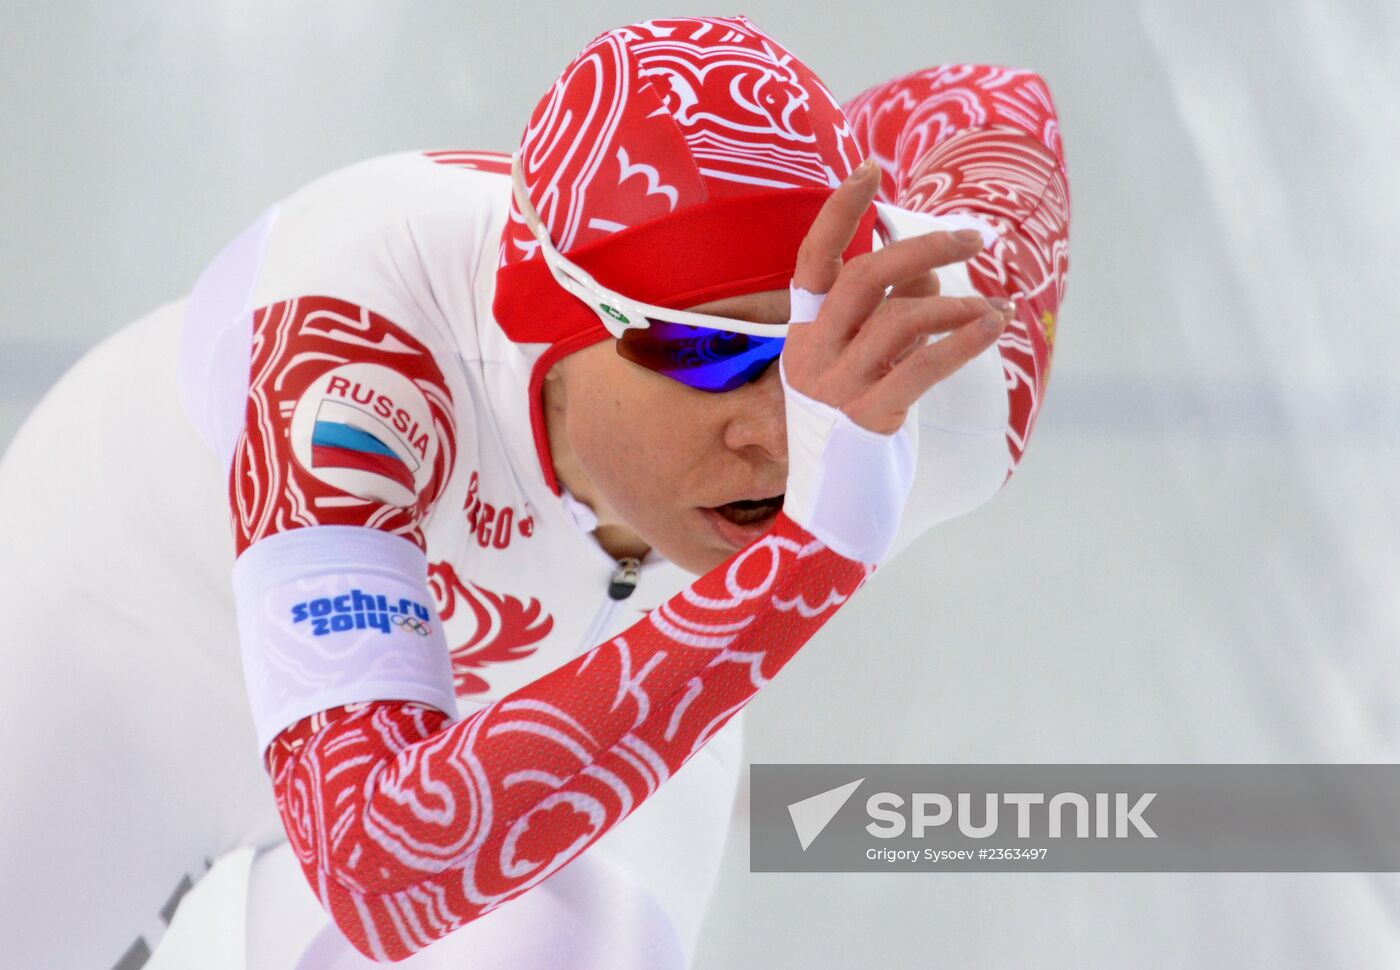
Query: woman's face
[[655, 459]]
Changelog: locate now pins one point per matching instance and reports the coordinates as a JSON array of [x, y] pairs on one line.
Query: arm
[[408, 824], [979, 141]]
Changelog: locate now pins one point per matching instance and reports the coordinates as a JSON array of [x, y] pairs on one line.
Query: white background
[[1197, 560]]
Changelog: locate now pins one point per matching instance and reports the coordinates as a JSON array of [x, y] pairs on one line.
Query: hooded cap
[[678, 161]]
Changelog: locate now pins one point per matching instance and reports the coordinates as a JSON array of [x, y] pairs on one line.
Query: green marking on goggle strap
[[615, 313]]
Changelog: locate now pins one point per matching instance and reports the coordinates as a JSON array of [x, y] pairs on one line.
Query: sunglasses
[[702, 351]]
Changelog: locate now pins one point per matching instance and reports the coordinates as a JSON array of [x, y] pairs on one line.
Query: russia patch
[[346, 436], [367, 430]]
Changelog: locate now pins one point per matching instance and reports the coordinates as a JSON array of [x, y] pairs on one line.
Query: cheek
[[640, 437]]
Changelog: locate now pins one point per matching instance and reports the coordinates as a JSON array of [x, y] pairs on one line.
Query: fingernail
[[864, 169], [967, 236], [992, 322], [1003, 306]]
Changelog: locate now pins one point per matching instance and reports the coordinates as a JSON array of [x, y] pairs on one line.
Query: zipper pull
[[624, 578]]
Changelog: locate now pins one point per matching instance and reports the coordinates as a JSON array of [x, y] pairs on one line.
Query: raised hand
[[867, 353]]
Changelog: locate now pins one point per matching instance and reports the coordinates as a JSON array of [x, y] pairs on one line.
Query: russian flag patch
[[345, 436]]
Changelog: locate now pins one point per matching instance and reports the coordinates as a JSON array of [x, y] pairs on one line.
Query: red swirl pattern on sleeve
[[409, 826], [349, 422], [985, 140]]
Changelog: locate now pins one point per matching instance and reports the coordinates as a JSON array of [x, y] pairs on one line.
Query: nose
[[757, 421]]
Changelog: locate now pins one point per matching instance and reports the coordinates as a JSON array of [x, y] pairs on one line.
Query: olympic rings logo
[[412, 623]]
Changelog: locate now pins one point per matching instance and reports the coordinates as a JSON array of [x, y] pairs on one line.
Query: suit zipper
[[621, 584]]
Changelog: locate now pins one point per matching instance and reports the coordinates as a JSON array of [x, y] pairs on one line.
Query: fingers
[[902, 323], [819, 257], [925, 284], [883, 407], [862, 282]]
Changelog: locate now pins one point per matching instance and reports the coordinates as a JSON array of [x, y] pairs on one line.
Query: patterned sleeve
[[348, 421], [985, 141], [408, 825]]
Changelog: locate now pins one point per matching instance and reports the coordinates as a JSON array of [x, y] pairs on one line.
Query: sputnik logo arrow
[[811, 815]]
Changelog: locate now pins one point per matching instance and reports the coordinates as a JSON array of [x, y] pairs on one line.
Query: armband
[[332, 615]]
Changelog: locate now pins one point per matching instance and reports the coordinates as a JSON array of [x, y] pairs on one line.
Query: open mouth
[[749, 511]]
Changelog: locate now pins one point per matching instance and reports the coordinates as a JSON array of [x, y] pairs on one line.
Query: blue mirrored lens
[[699, 357]]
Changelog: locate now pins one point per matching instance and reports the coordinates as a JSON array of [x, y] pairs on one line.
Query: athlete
[[534, 469]]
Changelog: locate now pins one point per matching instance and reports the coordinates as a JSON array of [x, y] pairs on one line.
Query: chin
[[690, 549], [709, 541], [693, 557]]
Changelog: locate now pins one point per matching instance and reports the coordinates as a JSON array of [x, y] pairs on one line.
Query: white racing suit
[[130, 756]]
